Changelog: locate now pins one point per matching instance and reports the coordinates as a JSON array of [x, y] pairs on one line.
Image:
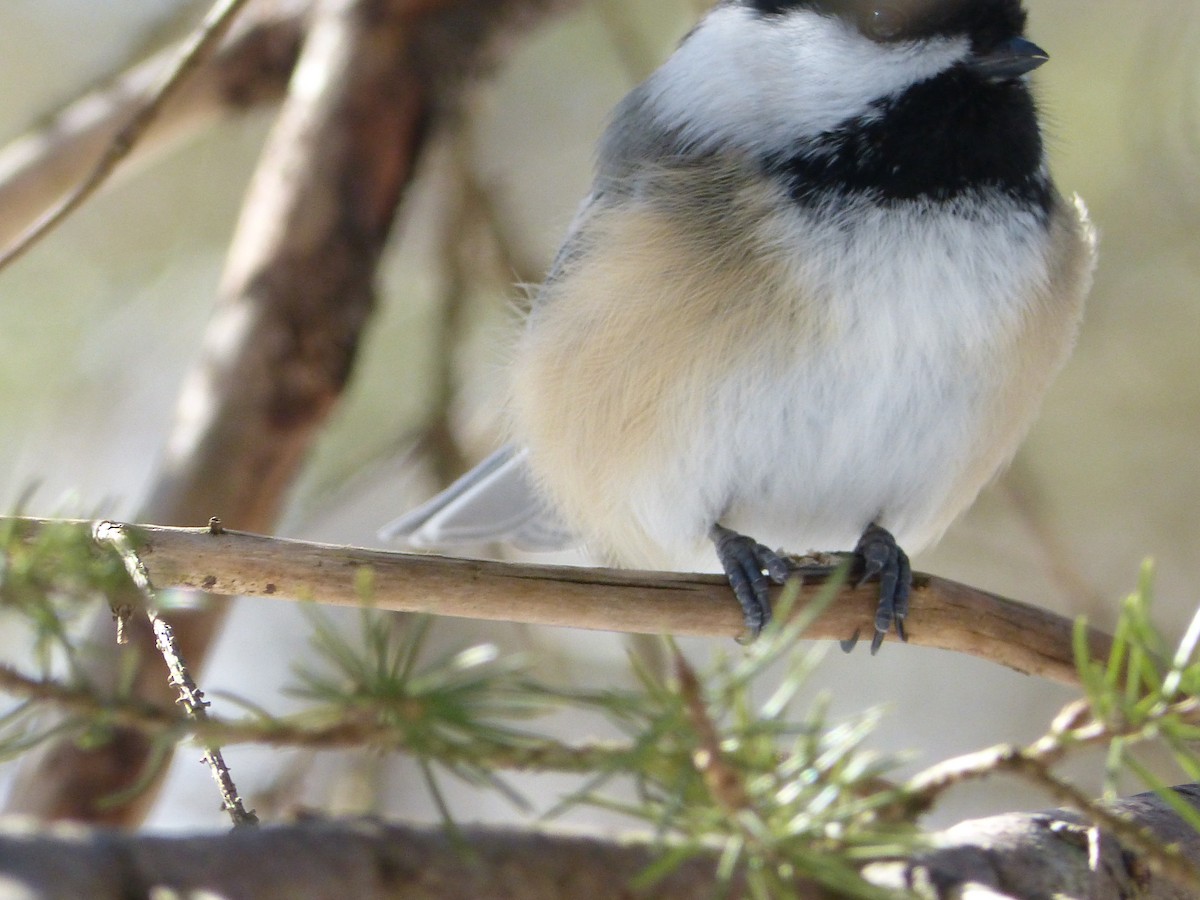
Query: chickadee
[[813, 300]]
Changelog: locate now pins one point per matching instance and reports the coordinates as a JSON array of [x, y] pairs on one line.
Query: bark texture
[[945, 614]]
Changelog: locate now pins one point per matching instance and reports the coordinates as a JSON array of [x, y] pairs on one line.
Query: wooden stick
[[944, 614]]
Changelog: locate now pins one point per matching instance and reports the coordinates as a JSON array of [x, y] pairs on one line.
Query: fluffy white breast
[[887, 410], [767, 82]]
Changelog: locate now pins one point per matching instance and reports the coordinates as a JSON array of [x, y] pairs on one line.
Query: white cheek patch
[[763, 83]]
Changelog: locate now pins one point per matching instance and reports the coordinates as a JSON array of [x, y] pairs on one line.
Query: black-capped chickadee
[[813, 301]]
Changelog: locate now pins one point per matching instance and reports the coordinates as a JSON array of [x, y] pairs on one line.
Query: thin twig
[[1048, 750], [314, 733], [249, 70], [192, 54], [191, 698], [724, 782], [1035, 763]]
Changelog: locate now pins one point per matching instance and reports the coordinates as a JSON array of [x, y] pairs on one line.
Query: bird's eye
[[895, 20], [883, 23]]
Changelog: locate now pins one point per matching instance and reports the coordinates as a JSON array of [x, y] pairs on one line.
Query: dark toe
[[903, 591], [877, 640], [751, 569], [882, 557]]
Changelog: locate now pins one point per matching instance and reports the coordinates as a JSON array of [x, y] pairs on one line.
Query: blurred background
[[99, 324]]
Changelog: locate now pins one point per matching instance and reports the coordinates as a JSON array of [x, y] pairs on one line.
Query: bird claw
[[882, 558], [751, 569]]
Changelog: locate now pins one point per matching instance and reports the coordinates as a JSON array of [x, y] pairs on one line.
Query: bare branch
[[195, 50], [363, 859], [250, 68], [945, 614], [190, 697]]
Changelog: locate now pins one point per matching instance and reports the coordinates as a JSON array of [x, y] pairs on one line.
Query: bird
[[813, 300]]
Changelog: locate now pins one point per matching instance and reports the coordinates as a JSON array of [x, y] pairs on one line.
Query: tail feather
[[495, 501]]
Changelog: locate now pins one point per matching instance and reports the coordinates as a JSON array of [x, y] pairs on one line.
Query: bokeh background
[[99, 324]]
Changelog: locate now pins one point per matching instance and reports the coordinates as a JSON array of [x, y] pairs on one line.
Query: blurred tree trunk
[[1046, 854], [373, 79]]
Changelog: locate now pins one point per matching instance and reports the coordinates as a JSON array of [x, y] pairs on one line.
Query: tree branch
[[363, 859], [945, 614], [194, 51], [190, 697], [1056, 853], [251, 67], [348, 732], [1035, 764], [1053, 853], [295, 299]]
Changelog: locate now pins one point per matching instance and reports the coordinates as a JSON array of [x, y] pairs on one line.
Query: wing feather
[[495, 501]]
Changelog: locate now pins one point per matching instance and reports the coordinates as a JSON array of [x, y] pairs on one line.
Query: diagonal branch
[[190, 697], [1035, 763], [250, 68], [195, 50]]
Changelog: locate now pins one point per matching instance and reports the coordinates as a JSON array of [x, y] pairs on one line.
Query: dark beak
[[1010, 60]]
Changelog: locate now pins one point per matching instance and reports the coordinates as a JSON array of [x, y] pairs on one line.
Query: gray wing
[[573, 247], [634, 150], [495, 501]]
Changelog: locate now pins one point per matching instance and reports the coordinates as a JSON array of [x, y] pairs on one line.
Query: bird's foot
[[751, 569], [882, 557]]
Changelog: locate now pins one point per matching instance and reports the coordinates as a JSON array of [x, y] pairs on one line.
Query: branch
[[194, 51], [168, 726], [1072, 730], [251, 67], [945, 614], [1053, 853], [296, 296], [1057, 853], [190, 697], [364, 859]]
